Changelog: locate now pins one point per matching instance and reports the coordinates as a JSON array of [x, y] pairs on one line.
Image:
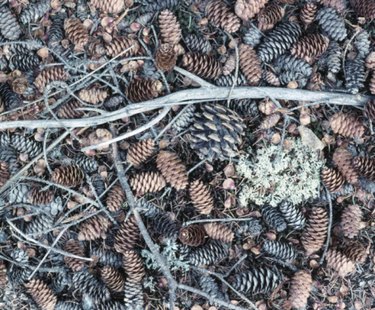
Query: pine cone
[[355, 75], [56, 30], [86, 163], [93, 95], [86, 283], [273, 218], [3, 275], [165, 57], [140, 90], [300, 288], [370, 110], [166, 225], [250, 64], [39, 197], [109, 6], [133, 290], [338, 5], [351, 221], [197, 44], [339, 262], [9, 26], [201, 197], [364, 8], [292, 215], [347, 125], [69, 176], [193, 235], [203, 65], [4, 173], [230, 64], [270, 16], [247, 9], [219, 232], [153, 6], [140, 152], [106, 257], [292, 69], [216, 133], [70, 110], [332, 24], [219, 15], [332, 179], [172, 169], [170, 30], [269, 121], [208, 285], [94, 228], [33, 12], [271, 78], [119, 45], [310, 47], [229, 80], [147, 182], [127, 236], [372, 83], [308, 13], [332, 58], [370, 61], [133, 265], [211, 253], [356, 252], [115, 198], [184, 119], [112, 278], [76, 33], [343, 160], [49, 75], [26, 145], [314, 235], [41, 294], [365, 166], [280, 250], [362, 44], [23, 62], [252, 36], [74, 247]]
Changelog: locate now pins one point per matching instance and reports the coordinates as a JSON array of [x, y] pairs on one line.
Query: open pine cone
[[341, 264], [172, 169]]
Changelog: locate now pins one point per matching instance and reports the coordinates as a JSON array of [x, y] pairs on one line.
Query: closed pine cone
[[4, 173], [48, 75], [338, 5], [94, 228], [356, 252], [112, 278], [247, 9], [271, 78], [203, 65], [120, 44], [193, 235], [332, 179], [365, 166], [310, 47], [370, 110], [93, 95], [364, 8], [70, 176], [74, 247], [41, 198], [300, 289], [127, 236], [115, 198], [339, 262], [219, 231], [219, 15], [270, 16], [41, 294], [147, 182], [140, 90], [70, 110], [343, 159], [109, 6], [308, 13], [370, 61], [270, 121], [3, 275], [172, 169], [351, 221], [250, 64], [133, 265], [315, 233], [140, 152], [347, 125], [165, 57], [170, 30], [372, 83], [201, 197], [76, 33]]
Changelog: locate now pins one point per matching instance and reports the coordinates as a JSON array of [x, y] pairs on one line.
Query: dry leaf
[[229, 184]]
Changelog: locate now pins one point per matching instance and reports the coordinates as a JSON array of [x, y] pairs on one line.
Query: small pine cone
[[41, 198], [185, 119], [339, 262], [293, 69], [370, 61], [33, 12], [3, 275], [256, 280], [127, 236], [172, 169], [119, 45], [140, 152], [370, 110], [109, 6], [106, 257], [93, 95], [339, 5], [140, 90], [219, 232], [201, 197], [26, 145], [332, 179], [230, 64], [314, 235], [4, 173], [308, 13], [280, 250], [300, 288], [362, 44], [316, 82], [23, 62], [229, 80], [147, 182], [279, 40], [56, 30], [193, 235], [270, 121], [211, 253], [166, 225], [365, 166], [115, 198], [9, 26], [332, 24], [219, 15], [86, 283], [165, 57], [74, 247], [112, 278], [355, 75], [343, 159], [310, 47], [208, 285], [250, 64], [271, 78], [332, 58], [94, 228], [76, 33], [247, 9], [203, 65], [170, 29], [133, 265], [70, 176], [86, 163], [356, 252], [347, 125], [197, 44], [252, 36], [70, 110], [43, 296], [270, 16], [292, 215], [372, 83], [364, 8], [67, 305], [49, 75], [273, 218], [351, 221]]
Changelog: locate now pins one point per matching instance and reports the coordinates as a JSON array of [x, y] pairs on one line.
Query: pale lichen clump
[[274, 174]]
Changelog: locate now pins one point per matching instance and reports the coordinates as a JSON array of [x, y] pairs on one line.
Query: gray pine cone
[[9, 97], [273, 218], [33, 12], [9, 26], [252, 36], [39, 224], [279, 250], [133, 295], [211, 253], [331, 59], [228, 80], [4, 139], [148, 209], [86, 283], [197, 44], [87, 164], [209, 286], [292, 215], [56, 31], [67, 305], [98, 184], [246, 108], [166, 226], [355, 75], [291, 69], [107, 257], [154, 6], [332, 24], [362, 44], [26, 145], [252, 228], [113, 103], [185, 119]]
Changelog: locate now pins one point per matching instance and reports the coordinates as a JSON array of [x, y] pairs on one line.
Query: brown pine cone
[[356, 252], [109, 6], [165, 57], [300, 289], [40, 198], [270, 121], [140, 152], [310, 47], [201, 197], [370, 110], [338, 5], [172, 169], [70, 110], [247, 9], [94, 228], [120, 44], [127, 236], [112, 278], [370, 61], [351, 221], [49, 75], [203, 65], [316, 82], [270, 16], [250, 64], [115, 198], [372, 83], [315, 233], [170, 30], [365, 166], [77, 33], [271, 78], [147, 182], [332, 179], [93, 95], [364, 8], [339, 262], [343, 159], [141, 89], [3, 275], [219, 231], [308, 13], [69, 176], [347, 125], [193, 235], [43, 296], [133, 265], [74, 247], [219, 15], [4, 173]]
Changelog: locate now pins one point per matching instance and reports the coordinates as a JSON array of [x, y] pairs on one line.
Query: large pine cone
[[115, 198], [76, 33], [193, 235], [347, 125], [120, 44], [270, 16], [109, 6], [133, 265], [356, 251], [343, 159], [365, 8], [140, 90], [351, 221], [165, 57], [170, 30], [43, 296], [250, 65], [74, 247], [201, 197], [127, 236], [339, 262], [310, 47], [365, 166], [203, 65], [300, 289], [314, 235], [9, 26], [147, 182], [308, 13], [112, 278], [172, 169], [247, 9], [332, 24], [219, 232], [140, 152], [49, 75], [332, 179], [4, 173], [94, 228], [219, 15], [216, 132], [70, 176]]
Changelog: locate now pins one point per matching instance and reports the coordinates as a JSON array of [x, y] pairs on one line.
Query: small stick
[[329, 226]]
